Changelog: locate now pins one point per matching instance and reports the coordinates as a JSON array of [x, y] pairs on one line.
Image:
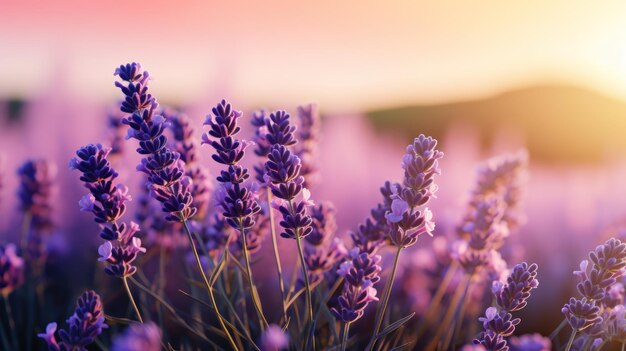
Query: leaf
[[216, 272], [401, 347], [395, 325]]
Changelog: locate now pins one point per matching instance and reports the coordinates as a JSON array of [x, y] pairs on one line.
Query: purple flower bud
[[581, 314]]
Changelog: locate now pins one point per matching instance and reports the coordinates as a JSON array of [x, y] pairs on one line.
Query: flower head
[[138, 337]]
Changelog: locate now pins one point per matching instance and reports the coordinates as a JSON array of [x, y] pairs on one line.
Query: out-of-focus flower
[[186, 146], [83, 326], [308, 140], [274, 339], [35, 195], [11, 269], [138, 337], [116, 133], [530, 342]]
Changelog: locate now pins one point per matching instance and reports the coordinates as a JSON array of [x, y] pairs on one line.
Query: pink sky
[[344, 54]]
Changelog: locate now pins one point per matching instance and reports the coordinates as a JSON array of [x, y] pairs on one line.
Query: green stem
[[344, 335], [281, 283], [571, 340], [209, 287], [307, 284], [11, 321], [382, 308], [557, 330], [132, 300], [255, 296], [433, 306], [456, 299]]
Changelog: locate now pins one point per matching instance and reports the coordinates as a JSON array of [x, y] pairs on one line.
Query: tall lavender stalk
[[165, 171], [408, 218], [237, 200], [285, 182], [107, 202]]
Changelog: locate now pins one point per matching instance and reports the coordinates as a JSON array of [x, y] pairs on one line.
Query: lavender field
[[328, 176]]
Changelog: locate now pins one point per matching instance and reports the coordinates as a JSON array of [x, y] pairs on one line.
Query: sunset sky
[[344, 54]]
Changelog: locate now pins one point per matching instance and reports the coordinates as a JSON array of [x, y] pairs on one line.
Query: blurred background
[[483, 77]]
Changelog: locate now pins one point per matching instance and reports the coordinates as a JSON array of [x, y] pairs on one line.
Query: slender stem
[[209, 287], [344, 335], [433, 306], [307, 284], [452, 308], [9, 314], [623, 345], [132, 300], [281, 282], [255, 296], [571, 340], [557, 330], [382, 308]]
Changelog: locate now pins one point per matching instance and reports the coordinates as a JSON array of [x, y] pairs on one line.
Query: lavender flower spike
[[165, 172], [581, 314], [108, 203], [84, 325]]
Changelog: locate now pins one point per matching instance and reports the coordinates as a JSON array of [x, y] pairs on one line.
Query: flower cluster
[[35, 195], [84, 325], [371, 235], [139, 337], [116, 133], [238, 202], [186, 146], [498, 322], [598, 313], [406, 218], [322, 251], [308, 135], [282, 175], [165, 171], [107, 202], [11, 270], [360, 272], [504, 177]]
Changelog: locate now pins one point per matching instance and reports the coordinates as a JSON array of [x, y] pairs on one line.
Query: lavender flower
[[35, 195], [322, 252], [185, 144], [512, 296], [581, 313], [498, 322], [237, 201], [308, 134], [530, 342], [420, 164], [274, 339], [84, 325], [108, 203], [504, 177], [11, 269], [360, 272], [371, 235], [165, 172], [116, 133], [139, 337]]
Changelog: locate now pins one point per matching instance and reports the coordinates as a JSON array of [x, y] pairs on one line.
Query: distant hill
[[560, 123]]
